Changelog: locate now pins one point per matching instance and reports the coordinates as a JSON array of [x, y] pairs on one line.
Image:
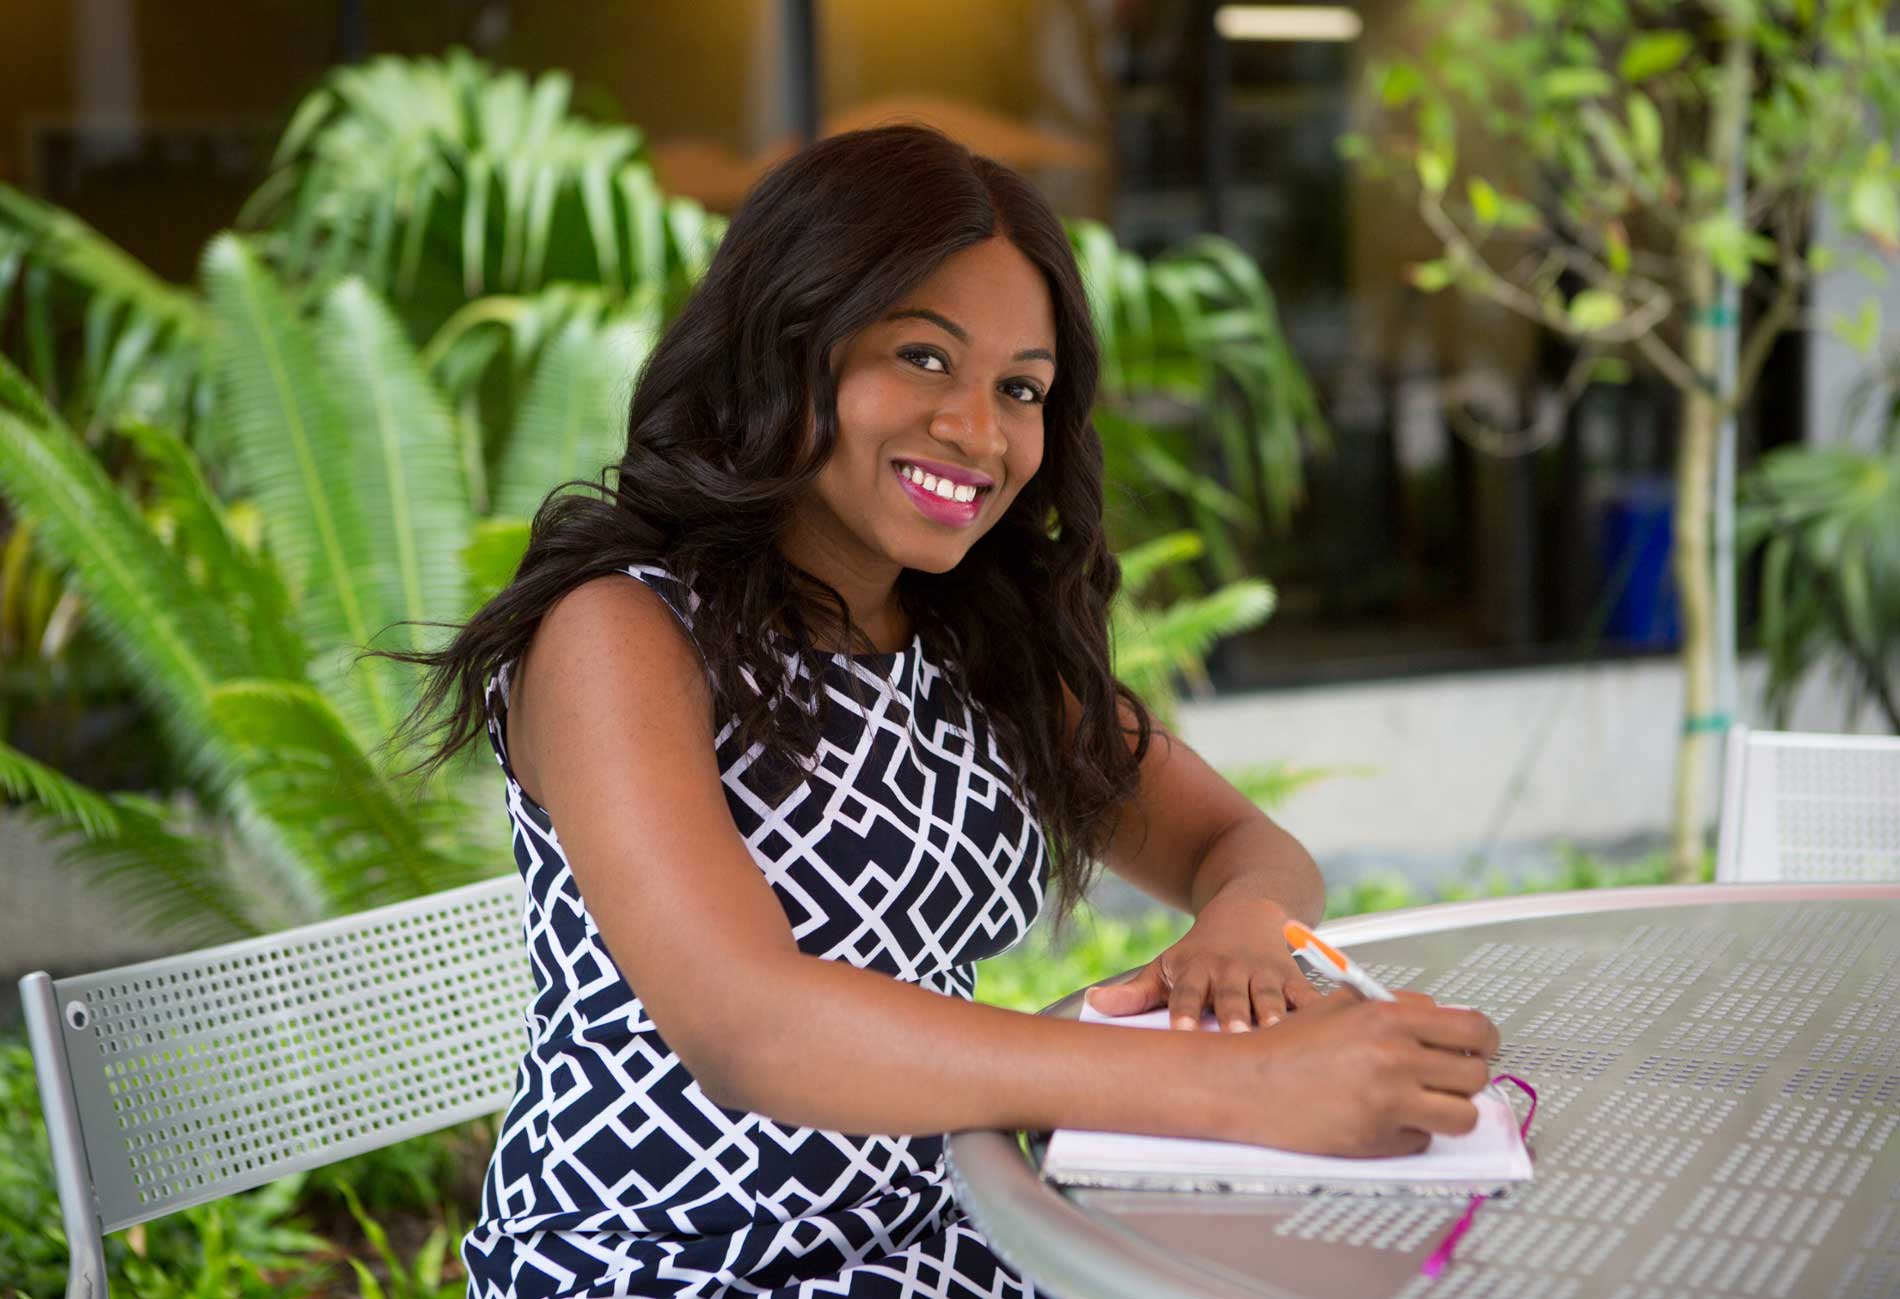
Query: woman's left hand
[[1234, 959]]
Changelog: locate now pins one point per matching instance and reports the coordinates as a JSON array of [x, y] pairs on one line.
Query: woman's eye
[[917, 354]]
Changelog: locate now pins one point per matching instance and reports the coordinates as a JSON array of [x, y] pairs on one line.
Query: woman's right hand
[[1346, 1076]]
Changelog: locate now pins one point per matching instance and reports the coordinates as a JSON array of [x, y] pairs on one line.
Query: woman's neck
[[869, 591]]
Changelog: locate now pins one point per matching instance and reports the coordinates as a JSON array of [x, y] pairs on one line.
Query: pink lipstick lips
[[953, 513]]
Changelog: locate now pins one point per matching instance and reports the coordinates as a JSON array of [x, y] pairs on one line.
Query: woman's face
[[951, 383]]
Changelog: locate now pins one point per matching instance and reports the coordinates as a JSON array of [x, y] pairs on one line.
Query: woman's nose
[[970, 425]]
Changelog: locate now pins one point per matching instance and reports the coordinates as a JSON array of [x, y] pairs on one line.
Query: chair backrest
[[1809, 807], [172, 1082]]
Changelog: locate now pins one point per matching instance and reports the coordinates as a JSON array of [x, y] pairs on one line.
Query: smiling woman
[[940, 417], [797, 725]]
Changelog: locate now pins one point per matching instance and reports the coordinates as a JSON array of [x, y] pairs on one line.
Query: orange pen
[[1332, 962]]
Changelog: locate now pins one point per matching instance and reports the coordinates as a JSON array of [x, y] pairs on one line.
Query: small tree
[[1643, 152]]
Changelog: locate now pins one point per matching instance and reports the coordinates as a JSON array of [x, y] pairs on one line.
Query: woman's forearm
[[1258, 856], [834, 1046]]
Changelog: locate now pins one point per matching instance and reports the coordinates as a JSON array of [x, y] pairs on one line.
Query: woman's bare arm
[[617, 727], [1187, 832]]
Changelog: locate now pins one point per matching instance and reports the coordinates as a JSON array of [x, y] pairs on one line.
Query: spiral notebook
[[1484, 1161]]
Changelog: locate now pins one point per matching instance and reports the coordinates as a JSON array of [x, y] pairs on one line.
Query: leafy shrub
[[239, 1246]]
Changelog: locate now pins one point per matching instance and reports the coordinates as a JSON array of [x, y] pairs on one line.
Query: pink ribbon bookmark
[[1442, 1255]]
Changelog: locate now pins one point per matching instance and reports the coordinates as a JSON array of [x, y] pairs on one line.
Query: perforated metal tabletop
[[1718, 1069]]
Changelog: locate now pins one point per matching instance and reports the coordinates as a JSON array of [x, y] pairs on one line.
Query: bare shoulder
[[607, 648]]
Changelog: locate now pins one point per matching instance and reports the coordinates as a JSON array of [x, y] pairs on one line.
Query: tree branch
[[1780, 314]]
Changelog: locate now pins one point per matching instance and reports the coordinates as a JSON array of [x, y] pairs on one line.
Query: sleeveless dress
[[904, 852]]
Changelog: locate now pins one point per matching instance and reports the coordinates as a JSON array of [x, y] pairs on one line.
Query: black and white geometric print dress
[[613, 1174]]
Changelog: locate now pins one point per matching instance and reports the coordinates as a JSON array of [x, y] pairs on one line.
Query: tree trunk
[[1695, 598], [1695, 461]]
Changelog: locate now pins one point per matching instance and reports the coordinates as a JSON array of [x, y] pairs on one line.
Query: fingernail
[[1238, 1026], [1184, 1021], [1272, 1020]]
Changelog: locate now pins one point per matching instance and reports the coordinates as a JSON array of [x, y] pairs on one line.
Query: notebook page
[[1489, 1156]]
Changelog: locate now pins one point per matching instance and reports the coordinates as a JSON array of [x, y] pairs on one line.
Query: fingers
[[1431, 1111], [1186, 998], [1459, 1074], [1452, 1030], [1143, 992], [1299, 991], [1233, 1004], [1269, 1005]]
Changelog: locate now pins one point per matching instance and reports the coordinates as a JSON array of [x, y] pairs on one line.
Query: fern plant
[[245, 649], [440, 180]]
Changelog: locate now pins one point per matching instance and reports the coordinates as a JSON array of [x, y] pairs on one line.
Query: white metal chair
[[169, 1083], [1809, 807]]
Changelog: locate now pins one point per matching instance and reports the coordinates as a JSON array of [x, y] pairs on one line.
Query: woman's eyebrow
[[957, 332]]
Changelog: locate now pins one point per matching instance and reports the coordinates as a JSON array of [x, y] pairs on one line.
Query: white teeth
[[942, 487]]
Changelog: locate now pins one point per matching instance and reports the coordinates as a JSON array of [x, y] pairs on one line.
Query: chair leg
[[86, 1270]]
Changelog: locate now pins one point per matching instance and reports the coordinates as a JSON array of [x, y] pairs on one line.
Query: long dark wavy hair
[[717, 453]]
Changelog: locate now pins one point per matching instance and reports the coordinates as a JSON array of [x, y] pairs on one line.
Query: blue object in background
[[1637, 536]]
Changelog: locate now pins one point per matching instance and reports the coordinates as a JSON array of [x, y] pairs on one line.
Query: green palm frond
[[27, 779], [1139, 564], [169, 881], [572, 419], [489, 360], [173, 642], [355, 833], [172, 880], [446, 177], [297, 455], [1198, 327], [492, 555], [228, 571], [143, 339], [409, 472], [1152, 645]]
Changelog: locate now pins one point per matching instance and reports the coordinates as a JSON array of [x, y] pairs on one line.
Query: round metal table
[[1718, 1073]]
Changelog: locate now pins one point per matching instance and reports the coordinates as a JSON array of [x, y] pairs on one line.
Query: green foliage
[[276, 737], [443, 179], [418, 1278], [1198, 386], [1575, 869], [249, 1246], [1151, 645], [32, 1241], [1038, 971], [1608, 131], [142, 341], [1825, 520]]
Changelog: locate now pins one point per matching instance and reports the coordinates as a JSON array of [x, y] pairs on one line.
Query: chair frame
[[174, 1082], [1748, 817]]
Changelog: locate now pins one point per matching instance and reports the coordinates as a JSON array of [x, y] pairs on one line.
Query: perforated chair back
[[1809, 807], [172, 1082]]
